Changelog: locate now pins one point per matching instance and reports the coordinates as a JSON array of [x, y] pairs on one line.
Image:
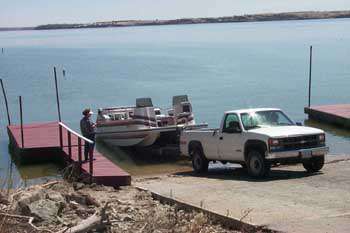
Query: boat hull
[[127, 136], [127, 139]]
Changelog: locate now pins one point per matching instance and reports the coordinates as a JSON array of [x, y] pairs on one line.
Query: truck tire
[[199, 162], [314, 164], [256, 164]]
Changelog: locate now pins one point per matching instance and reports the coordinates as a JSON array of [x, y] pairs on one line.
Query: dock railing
[[80, 145]]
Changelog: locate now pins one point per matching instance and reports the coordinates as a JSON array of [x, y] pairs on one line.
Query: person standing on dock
[[88, 130]]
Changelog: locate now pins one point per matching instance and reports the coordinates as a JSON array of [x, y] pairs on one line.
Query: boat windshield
[[264, 118]]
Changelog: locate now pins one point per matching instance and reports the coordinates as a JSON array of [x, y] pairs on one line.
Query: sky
[[16, 13]]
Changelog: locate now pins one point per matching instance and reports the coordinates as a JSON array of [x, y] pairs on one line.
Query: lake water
[[220, 67]]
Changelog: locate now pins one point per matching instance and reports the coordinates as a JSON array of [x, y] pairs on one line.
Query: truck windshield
[[264, 118]]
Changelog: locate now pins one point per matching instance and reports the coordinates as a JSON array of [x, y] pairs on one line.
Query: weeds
[[201, 204]]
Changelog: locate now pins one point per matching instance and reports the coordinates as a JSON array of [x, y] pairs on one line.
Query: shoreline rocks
[[58, 207]]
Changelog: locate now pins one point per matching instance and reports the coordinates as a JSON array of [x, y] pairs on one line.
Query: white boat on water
[[142, 124]]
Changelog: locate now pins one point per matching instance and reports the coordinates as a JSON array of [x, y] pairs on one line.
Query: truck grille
[[302, 142]]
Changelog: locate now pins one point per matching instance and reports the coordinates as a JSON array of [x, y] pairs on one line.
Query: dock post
[[21, 118], [69, 144], [91, 163], [57, 96], [79, 153], [6, 103], [310, 72], [60, 135]]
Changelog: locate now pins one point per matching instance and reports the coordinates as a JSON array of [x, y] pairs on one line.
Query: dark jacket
[[86, 127]]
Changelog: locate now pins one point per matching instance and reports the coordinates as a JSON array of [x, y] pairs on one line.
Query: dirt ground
[[61, 206], [290, 200]]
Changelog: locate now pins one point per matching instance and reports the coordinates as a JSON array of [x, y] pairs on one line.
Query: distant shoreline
[[16, 29], [305, 15]]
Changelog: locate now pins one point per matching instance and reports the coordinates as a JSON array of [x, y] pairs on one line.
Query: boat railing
[[117, 108]]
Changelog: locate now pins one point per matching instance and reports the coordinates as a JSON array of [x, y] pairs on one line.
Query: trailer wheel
[[199, 162], [314, 164], [256, 164]]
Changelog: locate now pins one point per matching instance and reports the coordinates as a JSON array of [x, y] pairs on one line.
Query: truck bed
[[205, 136], [200, 130]]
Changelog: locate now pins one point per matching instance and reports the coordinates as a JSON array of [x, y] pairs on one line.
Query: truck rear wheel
[[256, 164], [314, 164], [199, 162]]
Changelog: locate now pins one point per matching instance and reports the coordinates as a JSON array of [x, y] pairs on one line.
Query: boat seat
[[106, 117]]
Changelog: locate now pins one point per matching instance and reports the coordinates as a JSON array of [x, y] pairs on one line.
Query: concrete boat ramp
[[291, 200]]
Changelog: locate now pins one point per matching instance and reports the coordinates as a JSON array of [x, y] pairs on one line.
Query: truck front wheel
[[199, 162], [314, 164], [256, 164]]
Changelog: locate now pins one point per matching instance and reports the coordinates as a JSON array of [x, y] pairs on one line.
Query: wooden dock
[[338, 114], [52, 138]]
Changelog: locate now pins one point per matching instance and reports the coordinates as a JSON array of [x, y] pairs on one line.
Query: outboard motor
[[183, 110]]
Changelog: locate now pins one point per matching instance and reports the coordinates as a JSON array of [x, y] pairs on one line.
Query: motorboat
[[143, 124]]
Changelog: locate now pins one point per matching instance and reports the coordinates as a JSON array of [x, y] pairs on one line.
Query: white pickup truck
[[255, 138]]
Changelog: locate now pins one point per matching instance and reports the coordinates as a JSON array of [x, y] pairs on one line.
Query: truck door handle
[[221, 138]]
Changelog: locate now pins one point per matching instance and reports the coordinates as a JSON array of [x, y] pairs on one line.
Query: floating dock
[[54, 138], [338, 114]]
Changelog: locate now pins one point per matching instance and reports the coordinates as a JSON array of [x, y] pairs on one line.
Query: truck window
[[230, 118], [268, 118], [249, 122]]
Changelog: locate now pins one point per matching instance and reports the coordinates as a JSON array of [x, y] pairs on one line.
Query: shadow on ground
[[241, 174]]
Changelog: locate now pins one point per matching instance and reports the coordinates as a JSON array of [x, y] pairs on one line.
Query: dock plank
[[42, 136], [36, 135], [337, 114], [341, 110]]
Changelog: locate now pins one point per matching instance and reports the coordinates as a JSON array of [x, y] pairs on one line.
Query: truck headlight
[[322, 137], [273, 142]]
